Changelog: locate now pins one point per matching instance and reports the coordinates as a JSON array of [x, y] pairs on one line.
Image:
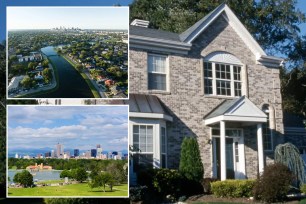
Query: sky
[[76, 127], [81, 17]]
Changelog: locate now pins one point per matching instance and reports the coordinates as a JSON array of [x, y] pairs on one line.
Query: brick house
[[213, 82]]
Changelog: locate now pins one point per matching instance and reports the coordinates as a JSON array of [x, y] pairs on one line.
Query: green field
[[80, 189]]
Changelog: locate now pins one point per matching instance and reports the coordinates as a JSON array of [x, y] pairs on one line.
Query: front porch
[[227, 123]]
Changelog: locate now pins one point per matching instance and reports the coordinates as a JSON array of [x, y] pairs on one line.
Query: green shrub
[[167, 182], [274, 184], [206, 184], [232, 188], [303, 188], [137, 193], [191, 165], [162, 181]]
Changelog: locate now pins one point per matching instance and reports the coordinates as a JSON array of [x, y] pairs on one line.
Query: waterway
[[39, 175], [71, 84]]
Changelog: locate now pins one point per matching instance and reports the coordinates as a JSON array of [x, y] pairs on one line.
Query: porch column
[[260, 148], [222, 151]]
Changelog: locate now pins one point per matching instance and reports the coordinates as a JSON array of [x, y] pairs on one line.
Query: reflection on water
[[40, 175], [71, 83]]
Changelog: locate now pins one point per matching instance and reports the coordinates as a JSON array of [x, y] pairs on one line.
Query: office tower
[[16, 156], [99, 151], [47, 154], [67, 155], [59, 150], [76, 152], [52, 153], [88, 154], [93, 153]]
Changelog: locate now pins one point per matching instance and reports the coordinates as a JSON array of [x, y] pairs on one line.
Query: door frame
[[239, 167]]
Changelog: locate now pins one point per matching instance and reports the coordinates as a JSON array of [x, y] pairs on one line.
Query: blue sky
[[81, 17], [81, 127]]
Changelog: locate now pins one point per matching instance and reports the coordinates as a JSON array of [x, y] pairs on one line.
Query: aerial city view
[[85, 56], [74, 151]]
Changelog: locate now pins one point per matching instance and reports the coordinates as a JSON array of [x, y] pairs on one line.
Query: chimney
[[140, 23]]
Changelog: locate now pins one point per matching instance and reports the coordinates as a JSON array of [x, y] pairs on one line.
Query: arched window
[[222, 75], [267, 131]]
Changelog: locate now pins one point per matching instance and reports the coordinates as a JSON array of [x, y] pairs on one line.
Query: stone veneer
[[188, 104]]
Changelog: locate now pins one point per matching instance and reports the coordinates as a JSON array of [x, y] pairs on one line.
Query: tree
[[79, 67], [80, 175], [26, 82], [66, 173], [24, 178], [45, 63], [101, 180], [32, 65], [289, 155], [191, 165]]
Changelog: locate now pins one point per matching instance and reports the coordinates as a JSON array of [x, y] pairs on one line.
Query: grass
[[85, 77], [80, 189], [50, 181]]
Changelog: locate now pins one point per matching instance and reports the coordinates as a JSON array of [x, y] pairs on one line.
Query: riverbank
[[93, 89]]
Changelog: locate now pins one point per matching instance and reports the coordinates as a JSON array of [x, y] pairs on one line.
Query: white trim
[[260, 148], [222, 151], [214, 120], [151, 115]]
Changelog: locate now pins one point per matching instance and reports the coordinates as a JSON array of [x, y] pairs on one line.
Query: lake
[[71, 84], [40, 175]]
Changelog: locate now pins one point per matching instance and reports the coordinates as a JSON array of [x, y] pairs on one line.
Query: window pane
[[142, 161], [207, 69], [223, 88], [156, 63], [163, 161], [237, 71], [157, 81], [208, 87], [237, 88], [135, 128]]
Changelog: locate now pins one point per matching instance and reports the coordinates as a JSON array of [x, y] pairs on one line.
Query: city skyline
[[81, 17], [76, 127]]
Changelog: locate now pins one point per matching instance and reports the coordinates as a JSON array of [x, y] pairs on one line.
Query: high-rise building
[[16, 156], [87, 154], [52, 153], [67, 155], [76, 152], [47, 154], [59, 150], [93, 153], [99, 151]]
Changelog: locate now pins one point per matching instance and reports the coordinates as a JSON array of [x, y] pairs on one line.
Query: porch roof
[[146, 106], [236, 110]]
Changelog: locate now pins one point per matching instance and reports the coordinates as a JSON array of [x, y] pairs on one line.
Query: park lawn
[[51, 181], [80, 189]]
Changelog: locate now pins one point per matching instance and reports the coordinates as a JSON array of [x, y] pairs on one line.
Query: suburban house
[[213, 82]]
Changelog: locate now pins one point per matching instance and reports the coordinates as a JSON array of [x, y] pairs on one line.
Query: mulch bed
[[211, 198]]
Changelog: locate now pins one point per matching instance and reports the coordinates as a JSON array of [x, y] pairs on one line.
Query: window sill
[[159, 92], [221, 97]]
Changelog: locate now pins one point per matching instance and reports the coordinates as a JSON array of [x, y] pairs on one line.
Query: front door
[[235, 164]]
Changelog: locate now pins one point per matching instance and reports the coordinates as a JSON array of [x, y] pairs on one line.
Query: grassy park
[[79, 189]]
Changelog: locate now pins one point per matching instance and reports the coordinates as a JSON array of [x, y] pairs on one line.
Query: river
[[71, 84], [39, 175]]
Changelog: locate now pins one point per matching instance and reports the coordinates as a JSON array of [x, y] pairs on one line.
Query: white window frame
[[267, 111], [215, 79], [161, 147], [166, 73]]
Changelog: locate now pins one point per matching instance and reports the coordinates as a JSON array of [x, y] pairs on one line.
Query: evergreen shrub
[[233, 188]]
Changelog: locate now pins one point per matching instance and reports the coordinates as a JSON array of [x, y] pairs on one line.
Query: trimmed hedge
[[233, 188]]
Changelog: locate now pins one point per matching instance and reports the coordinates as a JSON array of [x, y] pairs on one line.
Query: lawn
[[80, 189]]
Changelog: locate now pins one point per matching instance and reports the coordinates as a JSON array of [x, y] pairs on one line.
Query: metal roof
[[142, 103], [223, 107]]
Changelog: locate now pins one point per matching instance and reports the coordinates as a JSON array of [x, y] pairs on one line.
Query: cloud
[[119, 141]]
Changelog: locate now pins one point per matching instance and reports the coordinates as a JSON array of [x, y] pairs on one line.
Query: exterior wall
[[186, 100]]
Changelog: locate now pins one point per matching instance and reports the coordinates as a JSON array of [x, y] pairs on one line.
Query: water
[[40, 175], [71, 84]]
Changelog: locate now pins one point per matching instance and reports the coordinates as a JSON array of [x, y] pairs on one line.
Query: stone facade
[[188, 104]]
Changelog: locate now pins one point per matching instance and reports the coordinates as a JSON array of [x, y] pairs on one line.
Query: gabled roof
[[182, 43], [236, 110]]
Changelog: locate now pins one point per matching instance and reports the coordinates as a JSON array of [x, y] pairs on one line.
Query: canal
[[71, 84]]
